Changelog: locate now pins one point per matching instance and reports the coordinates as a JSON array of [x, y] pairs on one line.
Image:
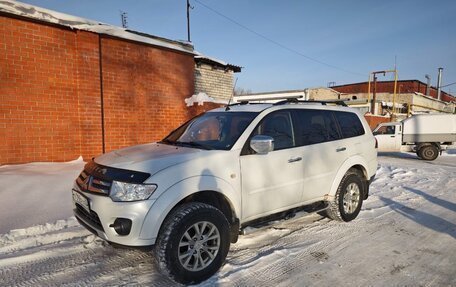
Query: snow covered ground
[[405, 236]]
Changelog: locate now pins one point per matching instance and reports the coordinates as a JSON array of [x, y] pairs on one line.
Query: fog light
[[122, 226]]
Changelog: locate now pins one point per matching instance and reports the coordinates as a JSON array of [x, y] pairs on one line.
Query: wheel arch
[[356, 163], [215, 192]]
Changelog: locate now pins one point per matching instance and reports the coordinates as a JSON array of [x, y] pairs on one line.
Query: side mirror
[[262, 144]]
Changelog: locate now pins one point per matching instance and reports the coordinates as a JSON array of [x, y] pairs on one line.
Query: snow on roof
[[214, 61], [78, 23]]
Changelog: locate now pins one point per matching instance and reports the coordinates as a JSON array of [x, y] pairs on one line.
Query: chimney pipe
[[428, 84], [439, 83]]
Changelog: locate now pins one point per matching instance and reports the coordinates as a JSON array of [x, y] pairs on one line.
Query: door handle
[[294, 159], [341, 149], [393, 136]]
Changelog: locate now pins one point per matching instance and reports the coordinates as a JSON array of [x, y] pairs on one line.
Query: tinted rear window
[[349, 124], [315, 126]]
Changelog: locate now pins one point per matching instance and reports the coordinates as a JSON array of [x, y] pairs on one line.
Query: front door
[[388, 137], [272, 182]]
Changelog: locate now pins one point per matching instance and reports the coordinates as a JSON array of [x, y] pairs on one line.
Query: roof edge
[[35, 13]]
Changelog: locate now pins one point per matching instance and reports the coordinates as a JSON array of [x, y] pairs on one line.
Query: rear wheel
[[429, 152], [193, 243], [349, 197]]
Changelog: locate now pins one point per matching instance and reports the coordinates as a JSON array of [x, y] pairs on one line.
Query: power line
[[275, 42], [448, 85]]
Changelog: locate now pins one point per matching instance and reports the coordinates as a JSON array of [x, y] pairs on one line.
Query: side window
[[386, 130], [315, 126], [350, 125], [278, 126]]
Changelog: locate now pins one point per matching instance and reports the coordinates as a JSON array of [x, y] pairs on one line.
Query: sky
[[291, 44]]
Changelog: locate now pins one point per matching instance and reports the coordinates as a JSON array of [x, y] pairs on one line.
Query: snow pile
[[404, 236], [36, 193], [199, 98], [390, 105]]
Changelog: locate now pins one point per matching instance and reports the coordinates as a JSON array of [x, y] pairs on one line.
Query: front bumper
[[103, 213]]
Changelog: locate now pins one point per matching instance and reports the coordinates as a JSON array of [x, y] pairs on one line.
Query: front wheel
[[193, 243], [349, 197]]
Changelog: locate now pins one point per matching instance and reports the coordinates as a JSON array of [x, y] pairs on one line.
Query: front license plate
[[81, 200]]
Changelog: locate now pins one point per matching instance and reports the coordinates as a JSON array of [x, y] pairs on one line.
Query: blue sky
[[356, 37]]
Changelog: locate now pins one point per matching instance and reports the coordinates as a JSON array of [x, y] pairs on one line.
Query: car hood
[[150, 158]]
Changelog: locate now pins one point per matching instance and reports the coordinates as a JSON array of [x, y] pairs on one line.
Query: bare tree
[[239, 91]]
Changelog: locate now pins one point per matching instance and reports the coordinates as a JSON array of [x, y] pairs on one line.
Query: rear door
[[322, 149]]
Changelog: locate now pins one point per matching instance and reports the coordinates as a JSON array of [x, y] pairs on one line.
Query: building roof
[[200, 58], [39, 14]]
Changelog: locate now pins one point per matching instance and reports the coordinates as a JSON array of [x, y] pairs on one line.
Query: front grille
[[90, 183], [91, 217]]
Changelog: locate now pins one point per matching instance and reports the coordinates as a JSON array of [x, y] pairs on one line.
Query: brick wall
[[144, 92], [50, 92], [38, 93], [374, 121], [215, 82]]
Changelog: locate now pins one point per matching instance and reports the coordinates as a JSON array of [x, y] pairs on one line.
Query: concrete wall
[[429, 104], [215, 82]]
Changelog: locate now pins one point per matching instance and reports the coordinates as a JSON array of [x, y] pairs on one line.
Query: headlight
[[122, 191]]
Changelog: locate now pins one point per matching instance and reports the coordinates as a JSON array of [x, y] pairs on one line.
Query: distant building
[[403, 86], [309, 94], [410, 97]]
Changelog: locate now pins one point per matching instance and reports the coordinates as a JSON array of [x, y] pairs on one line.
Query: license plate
[[81, 200]]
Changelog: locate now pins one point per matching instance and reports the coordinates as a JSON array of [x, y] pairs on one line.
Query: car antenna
[[227, 108]]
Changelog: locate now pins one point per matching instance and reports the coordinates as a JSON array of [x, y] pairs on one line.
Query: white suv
[[190, 194]]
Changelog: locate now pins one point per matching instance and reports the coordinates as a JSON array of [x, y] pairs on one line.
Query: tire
[[349, 197], [180, 229], [419, 154], [428, 152]]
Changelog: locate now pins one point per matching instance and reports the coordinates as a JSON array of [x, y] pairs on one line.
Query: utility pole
[[188, 20], [374, 96]]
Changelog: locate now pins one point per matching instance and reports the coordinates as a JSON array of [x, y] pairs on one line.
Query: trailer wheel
[[428, 152]]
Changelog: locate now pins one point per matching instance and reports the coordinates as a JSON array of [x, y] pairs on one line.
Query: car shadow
[[441, 202], [405, 155], [425, 219]]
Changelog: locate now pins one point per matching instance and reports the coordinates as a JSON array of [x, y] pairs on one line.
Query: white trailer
[[426, 134]]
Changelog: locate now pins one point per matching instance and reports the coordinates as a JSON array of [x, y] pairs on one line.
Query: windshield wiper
[[167, 141]]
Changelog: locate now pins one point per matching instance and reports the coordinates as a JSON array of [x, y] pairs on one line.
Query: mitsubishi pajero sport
[[190, 194]]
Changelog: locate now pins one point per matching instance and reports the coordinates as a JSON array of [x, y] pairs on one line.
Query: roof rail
[[258, 100], [296, 101]]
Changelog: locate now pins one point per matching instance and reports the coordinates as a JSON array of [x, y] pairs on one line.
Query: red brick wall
[[374, 121], [144, 92], [89, 96], [50, 92], [38, 100]]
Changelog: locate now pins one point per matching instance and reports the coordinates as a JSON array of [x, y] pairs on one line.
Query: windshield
[[213, 130]]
